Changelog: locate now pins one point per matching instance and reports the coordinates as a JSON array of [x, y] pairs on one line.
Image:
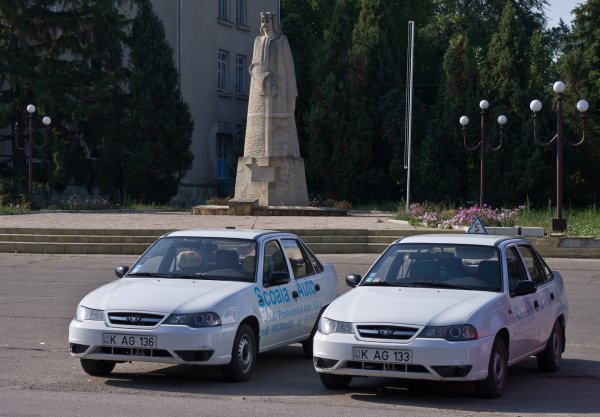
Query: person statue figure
[[271, 169], [273, 94]]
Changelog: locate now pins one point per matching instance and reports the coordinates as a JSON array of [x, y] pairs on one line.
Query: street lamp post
[[30, 145], [464, 121], [559, 224]]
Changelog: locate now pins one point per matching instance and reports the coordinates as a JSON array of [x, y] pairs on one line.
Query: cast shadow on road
[[285, 372], [281, 372], [573, 390]]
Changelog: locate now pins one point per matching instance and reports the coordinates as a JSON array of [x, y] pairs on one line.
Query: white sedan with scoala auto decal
[[445, 307], [205, 297]]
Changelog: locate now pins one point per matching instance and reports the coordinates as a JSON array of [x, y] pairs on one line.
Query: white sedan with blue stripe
[[205, 297], [445, 307]]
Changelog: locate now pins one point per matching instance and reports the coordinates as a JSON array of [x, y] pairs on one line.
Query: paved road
[[39, 293]]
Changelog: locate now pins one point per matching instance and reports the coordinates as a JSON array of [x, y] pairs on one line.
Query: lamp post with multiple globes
[[559, 224], [29, 145], [481, 145]]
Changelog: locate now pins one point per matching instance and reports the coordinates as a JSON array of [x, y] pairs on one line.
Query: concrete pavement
[[183, 220]]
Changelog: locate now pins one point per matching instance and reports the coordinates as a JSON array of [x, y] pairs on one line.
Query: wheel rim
[[498, 369], [244, 353]]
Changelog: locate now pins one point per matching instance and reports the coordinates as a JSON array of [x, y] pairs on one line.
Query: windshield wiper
[[144, 274], [379, 284], [200, 275], [436, 284]]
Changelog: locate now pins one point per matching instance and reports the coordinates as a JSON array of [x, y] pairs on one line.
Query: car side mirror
[[524, 287], [121, 270], [353, 280], [277, 278]]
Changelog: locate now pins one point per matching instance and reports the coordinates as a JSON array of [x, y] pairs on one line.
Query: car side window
[[273, 260], [298, 258], [536, 272], [514, 268]]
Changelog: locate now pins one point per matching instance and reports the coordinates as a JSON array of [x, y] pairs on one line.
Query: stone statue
[[273, 94], [271, 169]]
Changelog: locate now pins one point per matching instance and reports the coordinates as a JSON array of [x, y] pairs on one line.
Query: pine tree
[[153, 152], [65, 58], [579, 68], [514, 170]]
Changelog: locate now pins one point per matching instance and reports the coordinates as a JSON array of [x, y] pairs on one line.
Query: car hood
[[161, 295], [416, 306]]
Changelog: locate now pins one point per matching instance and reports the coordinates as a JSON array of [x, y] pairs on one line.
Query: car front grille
[[386, 367], [134, 352], [387, 332], [134, 319]]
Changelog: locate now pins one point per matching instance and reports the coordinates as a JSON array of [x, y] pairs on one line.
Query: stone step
[[334, 241], [135, 242], [82, 238]]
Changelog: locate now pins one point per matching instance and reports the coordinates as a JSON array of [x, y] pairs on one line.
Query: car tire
[[97, 368], [331, 381], [550, 358], [493, 386], [243, 356], [307, 347]]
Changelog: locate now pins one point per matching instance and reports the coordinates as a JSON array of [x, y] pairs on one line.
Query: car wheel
[[493, 386], [332, 381], [243, 356], [97, 368], [550, 358], [307, 347]]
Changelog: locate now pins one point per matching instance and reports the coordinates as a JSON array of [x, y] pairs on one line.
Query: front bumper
[[174, 344], [432, 359]]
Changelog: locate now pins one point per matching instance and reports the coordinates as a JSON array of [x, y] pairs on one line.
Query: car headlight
[[195, 319], [328, 326], [452, 333], [84, 313]]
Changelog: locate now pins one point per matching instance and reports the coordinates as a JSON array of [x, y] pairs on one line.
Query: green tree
[[516, 172], [579, 68], [67, 59], [153, 151], [328, 112]]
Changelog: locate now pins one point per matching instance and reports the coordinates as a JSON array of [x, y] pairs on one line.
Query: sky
[[561, 9]]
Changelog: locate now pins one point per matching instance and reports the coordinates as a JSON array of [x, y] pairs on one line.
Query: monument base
[[272, 180]]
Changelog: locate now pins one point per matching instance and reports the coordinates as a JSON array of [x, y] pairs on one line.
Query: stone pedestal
[[274, 180]]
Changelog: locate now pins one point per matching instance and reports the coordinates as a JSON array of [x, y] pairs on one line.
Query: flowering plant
[[430, 216]]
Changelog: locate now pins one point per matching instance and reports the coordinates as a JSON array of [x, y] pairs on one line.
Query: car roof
[[224, 233], [460, 238]]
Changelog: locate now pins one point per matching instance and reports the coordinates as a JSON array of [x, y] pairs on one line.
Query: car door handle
[[295, 295], [317, 287], [536, 305]]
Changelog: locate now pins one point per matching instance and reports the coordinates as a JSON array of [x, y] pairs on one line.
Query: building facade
[[212, 43]]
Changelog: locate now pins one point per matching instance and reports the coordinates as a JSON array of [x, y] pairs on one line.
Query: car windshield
[[207, 258], [439, 265]]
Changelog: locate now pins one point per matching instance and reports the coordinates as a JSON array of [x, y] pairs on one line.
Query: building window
[[240, 74], [240, 12], [224, 143], [224, 9], [222, 70]]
